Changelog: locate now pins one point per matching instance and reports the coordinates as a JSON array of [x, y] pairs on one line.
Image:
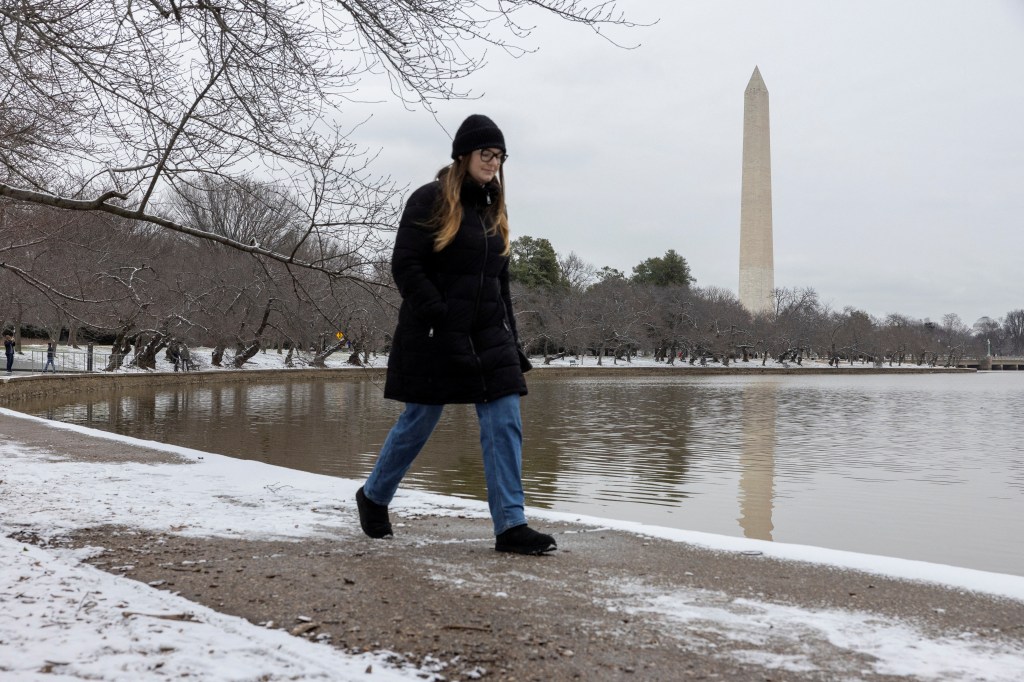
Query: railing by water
[[994, 363], [64, 360]]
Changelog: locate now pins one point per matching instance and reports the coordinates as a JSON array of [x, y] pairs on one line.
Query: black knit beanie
[[477, 132]]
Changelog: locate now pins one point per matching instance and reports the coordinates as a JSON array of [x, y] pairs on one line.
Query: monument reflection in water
[[757, 461], [919, 466]]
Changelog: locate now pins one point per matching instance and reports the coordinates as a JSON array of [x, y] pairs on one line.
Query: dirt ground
[[440, 597]]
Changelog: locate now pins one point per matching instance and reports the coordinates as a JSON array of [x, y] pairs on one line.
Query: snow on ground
[[888, 646], [33, 359], [77, 622], [64, 620]]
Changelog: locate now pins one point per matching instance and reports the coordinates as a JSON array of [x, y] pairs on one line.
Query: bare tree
[[797, 313], [857, 336], [115, 105], [576, 272], [1013, 327], [612, 319], [59, 268], [956, 338], [899, 333], [671, 325]]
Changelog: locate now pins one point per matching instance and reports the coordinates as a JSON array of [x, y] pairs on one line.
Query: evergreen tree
[[609, 274], [670, 269], [534, 264]]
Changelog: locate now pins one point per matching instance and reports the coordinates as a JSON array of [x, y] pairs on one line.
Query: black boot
[[373, 517], [524, 540]]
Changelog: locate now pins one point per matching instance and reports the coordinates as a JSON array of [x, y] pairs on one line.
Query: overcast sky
[[897, 139]]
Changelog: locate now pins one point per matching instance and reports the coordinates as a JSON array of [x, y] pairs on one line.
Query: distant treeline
[[79, 277]]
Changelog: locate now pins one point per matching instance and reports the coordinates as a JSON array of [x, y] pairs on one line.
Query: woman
[[456, 336]]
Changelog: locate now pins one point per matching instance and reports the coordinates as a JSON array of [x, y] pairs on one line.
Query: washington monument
[[757, 265]]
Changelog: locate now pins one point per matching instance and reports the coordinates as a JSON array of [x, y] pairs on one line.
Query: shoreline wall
[[17, 389], [43, 386]]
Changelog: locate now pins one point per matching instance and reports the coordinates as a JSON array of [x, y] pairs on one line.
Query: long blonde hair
[[448, 214]]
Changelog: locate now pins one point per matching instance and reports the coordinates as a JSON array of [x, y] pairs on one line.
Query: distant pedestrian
[[456, 337], [9, 350], [51, 354]]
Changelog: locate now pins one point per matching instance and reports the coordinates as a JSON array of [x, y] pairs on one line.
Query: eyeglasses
[[486, 155]]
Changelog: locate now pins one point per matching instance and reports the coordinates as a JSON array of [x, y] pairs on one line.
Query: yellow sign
[[341, 336]]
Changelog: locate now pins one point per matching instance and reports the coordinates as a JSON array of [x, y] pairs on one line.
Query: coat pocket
[[524, 361]]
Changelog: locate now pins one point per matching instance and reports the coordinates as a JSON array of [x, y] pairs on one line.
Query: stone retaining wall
[[42, 386], [32, 387], [751, 369]]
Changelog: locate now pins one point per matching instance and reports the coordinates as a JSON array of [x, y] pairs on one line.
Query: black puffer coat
[[456, 338]]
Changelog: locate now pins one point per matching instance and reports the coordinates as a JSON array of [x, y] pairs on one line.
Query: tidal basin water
[[926, 467]]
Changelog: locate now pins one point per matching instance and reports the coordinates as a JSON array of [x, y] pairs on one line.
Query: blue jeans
[[501, 439]]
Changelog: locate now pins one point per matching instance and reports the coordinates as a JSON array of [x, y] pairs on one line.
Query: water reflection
[[607, 442], [925, 467], [757, 460]]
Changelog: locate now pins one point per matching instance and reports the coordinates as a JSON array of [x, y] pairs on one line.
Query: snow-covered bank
[[33, 358], [64, 620], [68, 618]]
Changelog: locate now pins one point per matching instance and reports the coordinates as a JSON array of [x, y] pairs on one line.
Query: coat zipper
[[476, 304], [483, 268]]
